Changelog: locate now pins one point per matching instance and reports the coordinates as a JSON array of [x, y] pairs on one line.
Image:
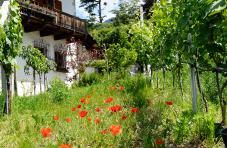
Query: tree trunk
[[222, 102], [141, 68], [180, 81], [193, 87], [44, 81], [173, 78], [157, 77], [100, 11], [34, 82], [15, 81], [40, 83], [201, 91], [151, 74], [4, 91], [8, 97], [164, 77]]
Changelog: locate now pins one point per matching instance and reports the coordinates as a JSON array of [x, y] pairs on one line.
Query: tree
[[120, 58], [50, 65], [141, 41], [10, 49], [76, 58], [38, 62], [193, 32], [90, 6], [127, 12]]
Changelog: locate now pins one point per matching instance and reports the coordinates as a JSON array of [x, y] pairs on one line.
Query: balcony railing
[[70, 22], [56, 17]]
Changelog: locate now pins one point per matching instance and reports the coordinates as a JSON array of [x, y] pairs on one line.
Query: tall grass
[[175, 124]]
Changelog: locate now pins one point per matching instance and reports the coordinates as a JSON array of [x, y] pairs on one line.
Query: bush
[[58, 90], [89, 79], [100, 65]]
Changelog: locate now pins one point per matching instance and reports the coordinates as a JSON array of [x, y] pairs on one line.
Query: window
[[43, 51], [60, 60]]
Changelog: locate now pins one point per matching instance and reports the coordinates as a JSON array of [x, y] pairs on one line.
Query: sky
[[111, 4]]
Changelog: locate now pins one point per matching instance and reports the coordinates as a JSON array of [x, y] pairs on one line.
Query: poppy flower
[[46, 132], [121, 88], [68, 120], [104, 132], [73, 109], [108, 100], [115, 129], [98, 109], [83, 100], [56, 118], [88, 96], [159, 141], [123, 117], [115, 108], [79, 106], [134, 110], [169, 103], [97, 121], [83, 114], [89, 119], [65, 146]]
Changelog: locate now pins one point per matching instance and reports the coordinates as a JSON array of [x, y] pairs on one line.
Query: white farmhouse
[[48, 25]]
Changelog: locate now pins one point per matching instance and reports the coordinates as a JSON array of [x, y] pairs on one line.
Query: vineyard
[[161, 82]]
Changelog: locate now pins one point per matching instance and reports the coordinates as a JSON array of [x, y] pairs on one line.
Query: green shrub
[[182, 127], [58, 90], [204, 127], [100, 65], [192, 128], [89, 79]]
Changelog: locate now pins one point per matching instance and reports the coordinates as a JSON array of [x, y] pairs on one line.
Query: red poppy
[[88, 96], [159, 141], [83, 114], [83, 100], [115, 108], [124, 117], [104, 132], [89, 119], [65, 146], [68, 120], [108, 100], [56, 118], [73, 109], [121, 88], [46, 132], [79, 106], [169, 103], [98, 109], [115, 129], [97, 121], [134, 110]]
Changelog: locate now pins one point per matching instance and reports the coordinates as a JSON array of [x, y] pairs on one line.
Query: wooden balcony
[[50, 20]]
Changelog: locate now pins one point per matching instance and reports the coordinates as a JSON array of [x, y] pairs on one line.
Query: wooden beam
[[44, 33], [28, 29], [61, 36]]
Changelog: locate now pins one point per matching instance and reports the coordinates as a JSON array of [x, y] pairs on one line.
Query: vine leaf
[[216, 7]]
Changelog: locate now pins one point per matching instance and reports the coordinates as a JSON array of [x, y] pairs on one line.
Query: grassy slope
[[174, 124]]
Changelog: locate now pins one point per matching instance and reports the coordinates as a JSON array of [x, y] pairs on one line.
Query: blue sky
[[111, 4]]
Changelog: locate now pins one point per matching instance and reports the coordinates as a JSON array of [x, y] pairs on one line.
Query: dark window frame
[[60, 61]]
